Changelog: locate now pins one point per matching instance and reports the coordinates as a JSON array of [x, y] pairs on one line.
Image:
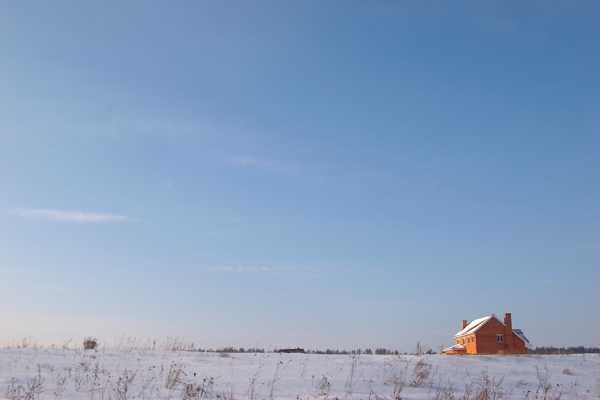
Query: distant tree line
[[329, 351], [379, 351], [368, 351], [354, 352], [565, 350], [232, 350]]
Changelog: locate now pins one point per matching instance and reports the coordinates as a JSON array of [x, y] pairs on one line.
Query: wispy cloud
[[67, 216], [273, 269]]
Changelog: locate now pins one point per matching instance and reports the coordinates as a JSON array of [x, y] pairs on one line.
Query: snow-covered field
[[28, 373]]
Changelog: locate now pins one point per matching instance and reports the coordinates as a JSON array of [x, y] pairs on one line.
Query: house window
[[468, 340], [457, 341], [463, 340], [500, 338], [473, 339]]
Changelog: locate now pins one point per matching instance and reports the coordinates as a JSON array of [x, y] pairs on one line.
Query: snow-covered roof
[[455, 347], [476, 324]]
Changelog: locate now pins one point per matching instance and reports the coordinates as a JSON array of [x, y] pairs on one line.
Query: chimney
[[509, 333], [464, 324], [508, 322]]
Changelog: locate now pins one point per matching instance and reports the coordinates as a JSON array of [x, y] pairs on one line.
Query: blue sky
[[313, 174]]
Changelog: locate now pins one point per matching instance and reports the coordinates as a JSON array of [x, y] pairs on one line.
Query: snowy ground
[[145, 374]]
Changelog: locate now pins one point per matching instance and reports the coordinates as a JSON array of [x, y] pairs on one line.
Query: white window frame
[[500, 338]]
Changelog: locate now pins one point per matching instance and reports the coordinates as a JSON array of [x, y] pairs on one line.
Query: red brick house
[[489, 335]]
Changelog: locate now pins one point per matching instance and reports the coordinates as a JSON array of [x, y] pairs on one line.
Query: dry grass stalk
[[123, 384], [421, 372], [488, 388], [324, 386], [176, 373]]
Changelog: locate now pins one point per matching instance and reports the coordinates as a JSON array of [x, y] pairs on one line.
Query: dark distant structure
[[297, 350]]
